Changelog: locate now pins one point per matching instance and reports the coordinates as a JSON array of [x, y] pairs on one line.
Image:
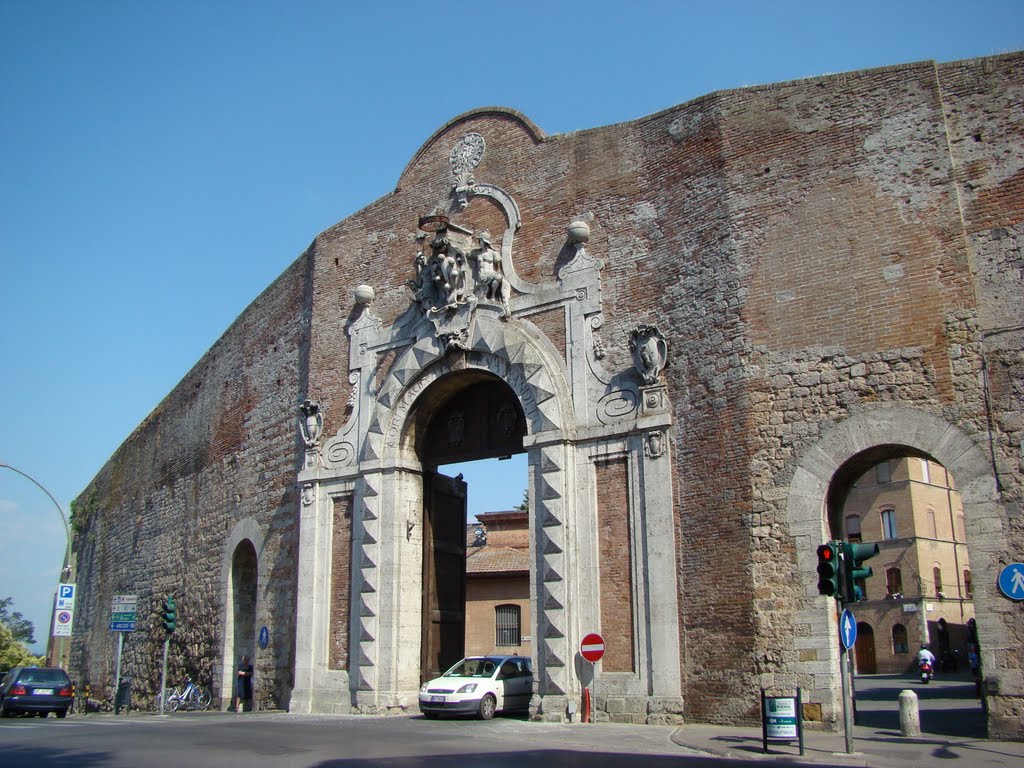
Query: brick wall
[[614, 544]]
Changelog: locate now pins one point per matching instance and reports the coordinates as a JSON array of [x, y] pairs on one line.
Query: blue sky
[[162, 163]]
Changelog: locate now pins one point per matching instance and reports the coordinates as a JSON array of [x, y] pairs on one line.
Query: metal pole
[[847, 711], [65, 572], [117, 673], [163, 676]]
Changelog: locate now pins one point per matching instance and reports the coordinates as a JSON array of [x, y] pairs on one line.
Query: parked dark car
[[35, 691]]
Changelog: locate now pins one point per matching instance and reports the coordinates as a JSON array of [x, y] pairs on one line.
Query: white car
[[481, 686]]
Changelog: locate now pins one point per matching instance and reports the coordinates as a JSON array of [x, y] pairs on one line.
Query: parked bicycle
[[190, 697]]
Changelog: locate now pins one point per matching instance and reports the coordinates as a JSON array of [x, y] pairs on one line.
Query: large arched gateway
[[699, 327]]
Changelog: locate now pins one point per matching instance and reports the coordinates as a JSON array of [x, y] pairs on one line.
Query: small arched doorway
[[463, 416], [242, 618]]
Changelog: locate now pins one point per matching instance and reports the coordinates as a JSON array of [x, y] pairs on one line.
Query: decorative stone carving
[[655, 444], [490, 276], [465, 156], [308, 493], [650, 352], [311, 424]]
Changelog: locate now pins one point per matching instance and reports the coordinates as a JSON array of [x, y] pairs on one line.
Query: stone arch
[[518, 354], [240, 577], [526, 361], [851, 446]]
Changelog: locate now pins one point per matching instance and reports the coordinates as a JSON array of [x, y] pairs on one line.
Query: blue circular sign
[[1011, 581], [264, 637], [848, 629]]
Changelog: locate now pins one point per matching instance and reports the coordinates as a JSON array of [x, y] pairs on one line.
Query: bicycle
[[192, 697]]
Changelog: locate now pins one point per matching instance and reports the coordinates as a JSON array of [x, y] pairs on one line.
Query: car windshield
[[480, 667], [42, 677]]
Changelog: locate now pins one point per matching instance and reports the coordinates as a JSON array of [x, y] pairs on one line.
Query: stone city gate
[[462, 327]]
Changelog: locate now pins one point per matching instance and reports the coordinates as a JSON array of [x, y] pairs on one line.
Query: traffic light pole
[[163, 676]]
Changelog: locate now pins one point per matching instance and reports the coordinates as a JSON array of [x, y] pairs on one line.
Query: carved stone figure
[[490, 277], [311, 424], [650, 352]]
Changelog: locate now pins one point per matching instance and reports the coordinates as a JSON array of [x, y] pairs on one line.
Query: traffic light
[[170, 614], [855, 555], [828, 570]]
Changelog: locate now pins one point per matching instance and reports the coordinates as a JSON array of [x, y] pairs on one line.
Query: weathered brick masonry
[[836, 267]]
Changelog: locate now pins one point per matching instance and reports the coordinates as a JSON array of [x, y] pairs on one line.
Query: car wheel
[[487, 706], [42, 714], [430, 715], [61, 713]]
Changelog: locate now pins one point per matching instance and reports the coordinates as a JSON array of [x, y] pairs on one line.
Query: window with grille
[[507, 629]]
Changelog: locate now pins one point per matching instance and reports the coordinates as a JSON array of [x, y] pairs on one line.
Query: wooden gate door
[[864, 650], [444, 574]]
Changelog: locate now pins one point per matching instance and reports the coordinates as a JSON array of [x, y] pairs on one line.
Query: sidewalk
[[877, 748]]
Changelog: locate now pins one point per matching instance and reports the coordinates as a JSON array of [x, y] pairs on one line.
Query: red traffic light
[[826, 553]]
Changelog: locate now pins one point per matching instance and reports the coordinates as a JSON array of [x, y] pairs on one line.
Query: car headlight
[[423, 688], [467, 688]]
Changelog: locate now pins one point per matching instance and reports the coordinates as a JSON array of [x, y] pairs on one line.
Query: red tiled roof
[[496, 560]]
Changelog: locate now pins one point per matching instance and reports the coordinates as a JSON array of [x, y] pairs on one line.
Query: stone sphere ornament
[[579, 231], [365, 294]]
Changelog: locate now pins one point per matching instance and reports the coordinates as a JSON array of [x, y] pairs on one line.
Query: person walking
[[243, 687]]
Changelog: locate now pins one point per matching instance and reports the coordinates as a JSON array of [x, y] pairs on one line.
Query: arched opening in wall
[[244, 572], [469, 428], [909, 505]]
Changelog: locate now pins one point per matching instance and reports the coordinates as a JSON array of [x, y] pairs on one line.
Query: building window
[[933, 530], [893, 583], [925, 473], [507, 630], [853, 528], [883, 472], [967, 585], [937, 576], [899, 639], [888, 523]]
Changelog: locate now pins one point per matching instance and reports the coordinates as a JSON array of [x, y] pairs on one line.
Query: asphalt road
[[947, 704], [223, 740], [255, 741]]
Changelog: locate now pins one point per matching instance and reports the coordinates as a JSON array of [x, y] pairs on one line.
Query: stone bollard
[[910, 717]]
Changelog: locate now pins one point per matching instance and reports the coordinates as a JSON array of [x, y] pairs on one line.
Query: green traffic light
[[855, 555], [170, 614]]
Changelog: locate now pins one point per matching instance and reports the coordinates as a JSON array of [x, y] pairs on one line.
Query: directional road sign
[[592, 647], [848, 629], [1011, 581]]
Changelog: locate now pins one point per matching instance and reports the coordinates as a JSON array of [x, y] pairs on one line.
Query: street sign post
[[848, 629], [123, 615], [592, 647]]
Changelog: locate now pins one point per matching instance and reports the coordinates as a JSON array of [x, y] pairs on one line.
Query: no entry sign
[[592, 647]]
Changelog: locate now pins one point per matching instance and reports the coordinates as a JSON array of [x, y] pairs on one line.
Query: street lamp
[[65, 572]]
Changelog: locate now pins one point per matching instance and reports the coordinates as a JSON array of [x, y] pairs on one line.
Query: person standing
[[243, 687]]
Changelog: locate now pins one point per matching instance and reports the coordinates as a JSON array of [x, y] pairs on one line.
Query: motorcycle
[[925, 668]]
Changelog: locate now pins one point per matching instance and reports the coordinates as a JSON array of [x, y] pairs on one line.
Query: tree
[[14, 654], [21, 629], [524, 505]]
